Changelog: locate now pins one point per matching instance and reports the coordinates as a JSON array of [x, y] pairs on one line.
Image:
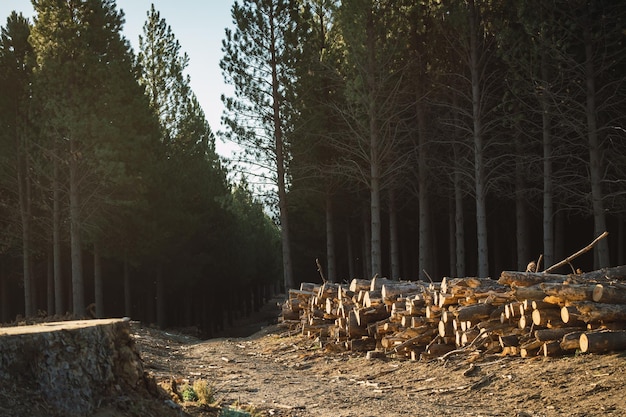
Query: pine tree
[[91, 109], [258, 61]]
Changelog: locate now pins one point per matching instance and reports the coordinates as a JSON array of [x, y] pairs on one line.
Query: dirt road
[[280, 375]]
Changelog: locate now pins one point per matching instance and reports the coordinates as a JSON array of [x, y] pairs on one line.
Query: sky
[[199, 27]]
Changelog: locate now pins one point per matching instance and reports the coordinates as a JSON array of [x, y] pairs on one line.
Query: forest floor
[[276, 373]]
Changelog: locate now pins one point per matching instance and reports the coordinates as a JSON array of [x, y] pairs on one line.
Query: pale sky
[[199, 27]]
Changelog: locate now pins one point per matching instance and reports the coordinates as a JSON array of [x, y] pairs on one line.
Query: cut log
[[377, 283], [604, 341], [545, 335], [546, 316], [552, 348], [562, 293], [571, 341], [609, 294], [367, 315], [357, 285], [475, 312], [526, 279], [392, 290], [594, 312], [372, 298]]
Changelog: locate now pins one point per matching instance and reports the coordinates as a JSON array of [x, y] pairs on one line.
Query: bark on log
[[391, 291], [609, 294], [600, 342], [360, 284], [545, 335], [571, 341], [562, 293], [544, 317], [474, 312], [594, 312], [526, 279]]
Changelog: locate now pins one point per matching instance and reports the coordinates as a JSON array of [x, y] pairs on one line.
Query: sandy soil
[[275, 373]]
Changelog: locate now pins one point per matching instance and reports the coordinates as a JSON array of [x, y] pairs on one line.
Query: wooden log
[[357, 285], [367, 315], [439, 349], [603, 341], [530, 348], [571, 341], [593, 312], [508, 340], [532, 292], [363, 344], [372, 298], [544, 317], [552, 348], [611, 274], [557, 293], [475, 312], [445, 328], [545, 335], [526, 279], [377, 283], [609, 294], [394, 289]]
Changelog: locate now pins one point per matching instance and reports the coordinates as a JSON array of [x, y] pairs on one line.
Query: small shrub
[[204, 392], [188, 393]]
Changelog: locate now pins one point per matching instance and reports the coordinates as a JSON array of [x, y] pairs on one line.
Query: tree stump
[[71, 363]]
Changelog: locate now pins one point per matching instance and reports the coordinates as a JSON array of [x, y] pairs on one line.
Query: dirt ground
[[276, 373]]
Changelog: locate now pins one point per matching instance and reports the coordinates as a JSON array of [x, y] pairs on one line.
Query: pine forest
[[406, 139]]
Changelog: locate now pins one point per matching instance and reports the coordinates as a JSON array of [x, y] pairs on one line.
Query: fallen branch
[[570, 258]]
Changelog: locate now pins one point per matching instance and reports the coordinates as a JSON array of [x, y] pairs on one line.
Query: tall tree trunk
[[367, 245], [479, 167], [350, 250], [331, 274], [374, 156], [394, 246], [160, 297], [279, 151], [97, 281], [25, 212], [127, 290], [56, 235], [521, 211], [50, 283], [459, 214], [595, 154], [425, 244], [78, 292], [451, 239], [548, 206]]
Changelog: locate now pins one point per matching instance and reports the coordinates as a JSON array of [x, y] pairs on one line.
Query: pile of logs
[[523, 314]]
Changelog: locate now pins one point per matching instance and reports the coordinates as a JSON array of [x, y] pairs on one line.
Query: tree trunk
[[78, 295], [595, 155], [279, 152], [331, 274], [127, 290], [459, 216], [50, 284], [451, 240], [367, 245], [56, 236], [160, 297], [350, 250], [394, 246], [479, 168], [521, 212], [97, 281], [425, 255]]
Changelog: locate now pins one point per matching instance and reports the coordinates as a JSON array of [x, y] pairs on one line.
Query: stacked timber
[[522, 314]]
